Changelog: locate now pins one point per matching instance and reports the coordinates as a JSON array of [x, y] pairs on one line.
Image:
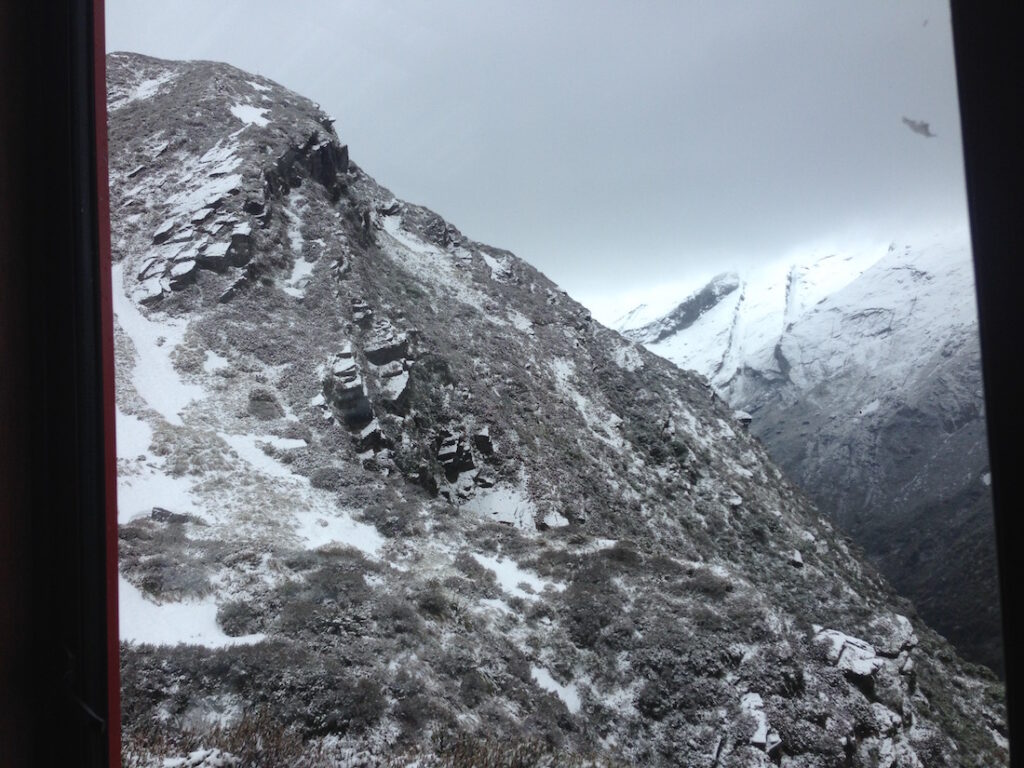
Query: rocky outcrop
[[322, 160], [454, 455], [344, 391], [691, 310], [385, 345]]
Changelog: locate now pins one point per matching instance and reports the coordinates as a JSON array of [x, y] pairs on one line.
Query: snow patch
[[248, 448], [433, 267], [500, 269], [250, 115], [298, 280], [519, 321], [504, 505], [603, 423], [870, 408], [145, 89], [569, 694], [153, 374], [193, 622], [143, 481], [628, 358], [286, 443], [511, 576], [496, 604], [214, 362], [555, 520], [133, 435], [317, 519], [319, 530]]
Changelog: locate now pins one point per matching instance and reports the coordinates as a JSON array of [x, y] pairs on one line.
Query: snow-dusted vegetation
[[390, 497]]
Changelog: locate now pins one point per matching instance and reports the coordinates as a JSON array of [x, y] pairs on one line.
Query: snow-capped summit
[[861, 371], [736, 320]]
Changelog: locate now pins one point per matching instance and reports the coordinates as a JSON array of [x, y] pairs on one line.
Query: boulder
[[149, 291], [484, 479], [892, 635], [362, 314], [386, 347], [390, 370], [200, 216], [162, 515], [424, 478], [326, 161], [344, 391], [454, 456], [150, 268], [322, 161], [743, 418], [254, 207], [163, 232], [182, 274], [239, 285], [371, 438], [764, 736], [482, 442], [214, 257], [239, 250]]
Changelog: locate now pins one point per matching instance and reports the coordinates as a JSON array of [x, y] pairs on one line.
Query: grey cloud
[[612, 144]]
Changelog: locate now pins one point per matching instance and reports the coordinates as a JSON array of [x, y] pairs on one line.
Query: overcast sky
[[621, 147]]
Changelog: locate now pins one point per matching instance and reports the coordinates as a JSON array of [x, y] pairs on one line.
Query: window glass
[[582, 384]]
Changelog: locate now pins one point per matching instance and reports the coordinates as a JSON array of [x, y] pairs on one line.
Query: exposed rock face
[[691, 310], [862, 376], [477, 519], [322, 161], [344, 391]]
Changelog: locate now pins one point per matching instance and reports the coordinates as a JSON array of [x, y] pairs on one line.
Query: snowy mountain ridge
[[389, 497], [745, 326], [862, 373]]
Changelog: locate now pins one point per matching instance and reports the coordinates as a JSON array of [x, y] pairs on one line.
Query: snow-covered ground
[[506, 505], [511, 577], [155, 338], [567, 693], [245, 488], [193, 622]]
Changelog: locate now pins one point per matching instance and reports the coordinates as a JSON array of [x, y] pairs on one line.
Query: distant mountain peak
[[688, 311]]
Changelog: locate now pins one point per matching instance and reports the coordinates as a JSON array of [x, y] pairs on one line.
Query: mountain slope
[[387, 494], [868, 392]]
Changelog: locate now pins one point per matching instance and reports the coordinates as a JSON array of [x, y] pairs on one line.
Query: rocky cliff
[[390, 497]]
